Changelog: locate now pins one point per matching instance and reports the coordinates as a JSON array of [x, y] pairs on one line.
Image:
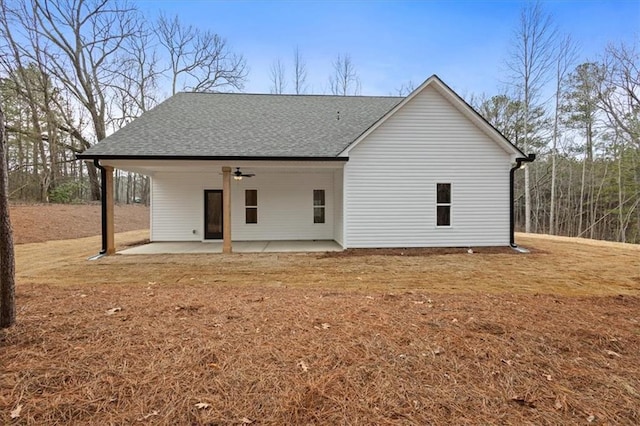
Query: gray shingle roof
[[246, 125]]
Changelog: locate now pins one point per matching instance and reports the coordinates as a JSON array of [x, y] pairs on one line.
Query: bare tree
[[199, 61], [566, 57], [299, 72], [83, 68], [7, 260], [29, 83], [530, 62], [277, 77], [405, 88], [77, 44], [619, 94], [137, 79], [581, 103], [619, 98], [345, 80], [135, 92]]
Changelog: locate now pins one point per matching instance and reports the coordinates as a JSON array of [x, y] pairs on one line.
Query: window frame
[[439, 204], [248, 207], [322, 207]]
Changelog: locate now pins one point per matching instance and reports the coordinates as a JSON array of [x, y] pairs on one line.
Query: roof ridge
[[291, 95]]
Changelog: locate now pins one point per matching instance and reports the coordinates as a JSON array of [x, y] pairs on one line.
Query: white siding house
[[391, 177], [366, 172]]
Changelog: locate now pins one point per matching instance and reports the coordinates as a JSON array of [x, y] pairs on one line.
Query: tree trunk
[[571, 224], [591, 180], [554, 153], [93, 181], [129, 185], [116, 184], [552, 201], [145, 190], [7, 260], [622, 228], [21, 162], [527, 187], [581, 200]]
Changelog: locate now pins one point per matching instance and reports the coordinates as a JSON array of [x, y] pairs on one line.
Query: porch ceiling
[[150, 167]]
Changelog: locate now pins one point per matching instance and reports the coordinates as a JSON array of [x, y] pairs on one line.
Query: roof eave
[[207, 157]]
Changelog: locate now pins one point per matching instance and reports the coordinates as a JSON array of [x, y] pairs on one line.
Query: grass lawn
[[551, 337]]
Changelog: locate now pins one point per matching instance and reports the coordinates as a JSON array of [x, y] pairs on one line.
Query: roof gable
[[459, 103]]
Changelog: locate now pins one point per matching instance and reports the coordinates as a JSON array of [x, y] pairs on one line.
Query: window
[[251, 205], [318, 206], [443, 204]]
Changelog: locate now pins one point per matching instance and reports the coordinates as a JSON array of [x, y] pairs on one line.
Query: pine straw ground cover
[[547, 338]]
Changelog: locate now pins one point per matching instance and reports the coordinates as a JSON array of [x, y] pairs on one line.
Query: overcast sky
[[391, 42]]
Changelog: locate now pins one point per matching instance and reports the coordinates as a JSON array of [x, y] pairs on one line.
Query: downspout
[[103, 200], [512, 225]]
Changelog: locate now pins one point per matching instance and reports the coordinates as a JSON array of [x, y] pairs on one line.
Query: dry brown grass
[[552, 337]]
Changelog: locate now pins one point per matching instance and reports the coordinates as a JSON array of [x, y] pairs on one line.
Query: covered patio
[[184, 219], [194, 247]]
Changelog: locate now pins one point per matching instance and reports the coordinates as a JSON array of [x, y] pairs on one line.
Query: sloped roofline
[[459, 103]]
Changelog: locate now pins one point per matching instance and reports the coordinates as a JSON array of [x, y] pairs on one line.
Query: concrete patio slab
[[238, 247]]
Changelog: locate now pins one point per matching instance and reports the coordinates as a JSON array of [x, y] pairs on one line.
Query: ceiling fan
[[238, 175]]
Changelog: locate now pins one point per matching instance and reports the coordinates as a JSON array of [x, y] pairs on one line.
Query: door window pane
[[213, 214]]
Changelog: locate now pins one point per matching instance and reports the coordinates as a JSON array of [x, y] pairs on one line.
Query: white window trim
[[246, 206], [449, 204], [324, 207]]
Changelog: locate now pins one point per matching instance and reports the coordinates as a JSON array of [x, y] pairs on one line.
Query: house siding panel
[[285, 206], [391, 176], [178, 206]]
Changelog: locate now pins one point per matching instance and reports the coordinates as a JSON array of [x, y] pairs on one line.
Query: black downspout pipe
[[512, 224], [103, 191]]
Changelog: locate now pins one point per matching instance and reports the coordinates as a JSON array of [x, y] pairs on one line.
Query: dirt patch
[[46, 222], [422, 251]]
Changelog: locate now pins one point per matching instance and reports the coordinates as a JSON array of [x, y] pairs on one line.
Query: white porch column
[[226, 210], [108, 199]]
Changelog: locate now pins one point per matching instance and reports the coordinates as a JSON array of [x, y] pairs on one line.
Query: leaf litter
[[387, 355], [66, 365]]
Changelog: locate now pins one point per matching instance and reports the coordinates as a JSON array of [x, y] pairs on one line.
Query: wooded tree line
[[73, 71], [582, 120]]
